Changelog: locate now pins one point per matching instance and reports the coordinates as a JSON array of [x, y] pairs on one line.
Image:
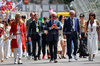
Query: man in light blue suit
[[71, 29]]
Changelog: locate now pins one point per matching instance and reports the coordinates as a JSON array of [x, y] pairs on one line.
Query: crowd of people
[[55, 36], [6, 6]]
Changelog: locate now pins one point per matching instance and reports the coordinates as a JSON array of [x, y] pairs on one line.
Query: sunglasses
[[91, 15], [19, 16], [54, 16], [81, 16], [72, 14]]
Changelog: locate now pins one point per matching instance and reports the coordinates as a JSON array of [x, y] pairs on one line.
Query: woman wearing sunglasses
[[18, 37], [92, 26], [83, 41]]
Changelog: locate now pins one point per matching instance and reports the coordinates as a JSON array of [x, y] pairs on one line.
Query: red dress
[[13, 31]]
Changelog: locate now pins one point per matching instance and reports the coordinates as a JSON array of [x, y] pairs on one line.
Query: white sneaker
[[75, 57], [32, 57], [20, 62], [93, 59], [29, 57], [15, 61], [70, 59], [26, 54], [12, 55]]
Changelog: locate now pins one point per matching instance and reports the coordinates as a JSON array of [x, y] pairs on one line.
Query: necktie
[[72, 25]]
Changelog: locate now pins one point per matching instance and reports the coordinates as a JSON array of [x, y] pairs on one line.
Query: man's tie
[[72, 25]]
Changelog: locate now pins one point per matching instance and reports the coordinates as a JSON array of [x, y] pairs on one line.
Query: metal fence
[[44, 8], [86, 6]]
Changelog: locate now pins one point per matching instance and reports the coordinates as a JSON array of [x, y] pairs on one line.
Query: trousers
[[19, 49]]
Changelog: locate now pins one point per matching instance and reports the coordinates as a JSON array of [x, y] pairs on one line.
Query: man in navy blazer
[[70, 30], [35, 33], [53, 26]]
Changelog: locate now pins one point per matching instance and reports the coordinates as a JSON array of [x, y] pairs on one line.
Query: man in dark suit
[[71, 29], [36, 27], [53, 26]]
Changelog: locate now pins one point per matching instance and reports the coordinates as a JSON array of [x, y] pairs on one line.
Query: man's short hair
[[36, 14], [54, 13], [23, 16], [45, 18], [31, 13]]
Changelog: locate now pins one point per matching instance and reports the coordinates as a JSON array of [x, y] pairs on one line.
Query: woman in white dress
[[2, 35], [7, 42], [92, 26]]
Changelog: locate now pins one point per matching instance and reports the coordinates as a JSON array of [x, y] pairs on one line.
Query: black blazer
[[32, 30]]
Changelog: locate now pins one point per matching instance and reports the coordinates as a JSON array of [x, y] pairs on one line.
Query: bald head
[[72, 13]]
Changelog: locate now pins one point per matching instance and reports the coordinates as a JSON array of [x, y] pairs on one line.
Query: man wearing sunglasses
[[53, 26], [71, 30]]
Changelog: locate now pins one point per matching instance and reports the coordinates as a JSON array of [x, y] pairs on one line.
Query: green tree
[[67, 1], [60, 1]]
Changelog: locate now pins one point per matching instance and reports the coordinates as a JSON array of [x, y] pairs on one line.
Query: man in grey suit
[[53, 26]]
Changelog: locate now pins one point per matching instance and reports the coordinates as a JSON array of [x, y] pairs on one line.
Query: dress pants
[[1, 48], [53, 49], [73, 37], [19, 49], [7, 48], [44, 45], [39, 41]]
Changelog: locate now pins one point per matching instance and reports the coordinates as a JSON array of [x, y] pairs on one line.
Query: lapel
[[69, 22], [50, 23], [75, 22], [34, 25]]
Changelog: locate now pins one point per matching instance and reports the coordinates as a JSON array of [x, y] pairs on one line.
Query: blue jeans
[[29, 46]]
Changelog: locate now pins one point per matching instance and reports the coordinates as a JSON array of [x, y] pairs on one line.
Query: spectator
[[92, 26]]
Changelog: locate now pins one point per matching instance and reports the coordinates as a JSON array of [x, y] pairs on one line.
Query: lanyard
[[37, 26]]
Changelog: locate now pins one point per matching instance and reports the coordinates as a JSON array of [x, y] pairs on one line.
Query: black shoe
[[84, 57], [63, 57], [51, 60], [35, 59], [39, 58], [55, 61], [48, 57]]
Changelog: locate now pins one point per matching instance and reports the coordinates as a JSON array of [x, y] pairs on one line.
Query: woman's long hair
[[60, 17], [89, 17], [16, 16]]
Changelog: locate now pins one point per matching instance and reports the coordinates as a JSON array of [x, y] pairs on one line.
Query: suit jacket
[[68, 26], [32, 30], [52, 34]]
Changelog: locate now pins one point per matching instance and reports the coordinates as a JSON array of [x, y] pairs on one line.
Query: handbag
[[13, 37]]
